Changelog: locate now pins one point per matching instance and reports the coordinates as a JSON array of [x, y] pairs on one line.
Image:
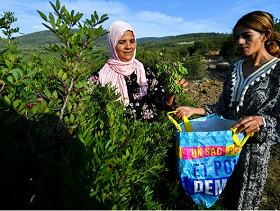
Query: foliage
[[149, 58], [8, 18], [195, 67], [277, 25], [64, 142], [229, 48], [170, 73]]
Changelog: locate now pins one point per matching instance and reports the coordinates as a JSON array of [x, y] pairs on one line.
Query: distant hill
[[145, 39], [47, 37]]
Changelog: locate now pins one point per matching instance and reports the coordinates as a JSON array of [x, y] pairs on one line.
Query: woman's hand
[[184, 84], [188, 111], [170, 96], [249, 124]]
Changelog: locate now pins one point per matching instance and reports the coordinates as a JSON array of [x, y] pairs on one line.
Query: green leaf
[[60, 73], [58, 22], [57, 5], [26, 80], [47, 93], [31, 73], [108, 143], [96, 16], [127, 152], [15, 74], [69, 106], [103, 16], [20, 72], [77, 17], [10, 79], [98, 31], [72, 118], [52, 20], [80, 137], [47, 26], [16, 103], [53, 6], [35, 108], [22, 105], [61, 28], [91, 32], [116, 173], [145, 181], [54, 94], [42, 15], [154, 173], [85, 98], [64, 76], [66, 13], [158, 167], [7, 100]]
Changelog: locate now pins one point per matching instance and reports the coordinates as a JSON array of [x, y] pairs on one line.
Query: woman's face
[[126, 46], [249, 41]]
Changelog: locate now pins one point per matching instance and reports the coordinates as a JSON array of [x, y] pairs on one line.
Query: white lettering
[[208, 187], [220, 187], [198, 186]]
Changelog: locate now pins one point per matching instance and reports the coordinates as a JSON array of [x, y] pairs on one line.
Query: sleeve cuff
[[264, 123]]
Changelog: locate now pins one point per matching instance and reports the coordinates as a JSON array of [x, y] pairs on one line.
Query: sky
[[148, 18]]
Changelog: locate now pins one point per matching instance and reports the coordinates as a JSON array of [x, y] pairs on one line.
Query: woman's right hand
[[188, 111]]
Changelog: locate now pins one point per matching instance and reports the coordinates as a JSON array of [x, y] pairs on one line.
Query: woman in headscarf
[[138, 87]]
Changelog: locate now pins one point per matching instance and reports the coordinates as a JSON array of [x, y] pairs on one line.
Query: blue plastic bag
[[207, 153]]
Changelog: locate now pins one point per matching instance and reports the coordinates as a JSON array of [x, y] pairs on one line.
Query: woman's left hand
[[170, 96], [249, 124], [184, 84]]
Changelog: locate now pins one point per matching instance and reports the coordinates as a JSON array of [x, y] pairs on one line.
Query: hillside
[[47, 37]]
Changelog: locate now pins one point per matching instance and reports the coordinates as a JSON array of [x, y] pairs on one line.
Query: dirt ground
[[208, 90]]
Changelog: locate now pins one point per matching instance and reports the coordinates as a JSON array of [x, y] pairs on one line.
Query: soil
[[208, 90]]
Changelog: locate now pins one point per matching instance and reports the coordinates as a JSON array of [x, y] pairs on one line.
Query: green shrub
[[229, 48], [194, 65], [65, 144]]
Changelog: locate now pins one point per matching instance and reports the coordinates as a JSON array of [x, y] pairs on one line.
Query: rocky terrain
[[208, 90]]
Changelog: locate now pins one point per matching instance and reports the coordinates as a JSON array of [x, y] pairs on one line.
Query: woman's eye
[[132, 41]]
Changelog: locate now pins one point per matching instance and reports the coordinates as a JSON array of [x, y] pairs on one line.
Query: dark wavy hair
[[261, 21]]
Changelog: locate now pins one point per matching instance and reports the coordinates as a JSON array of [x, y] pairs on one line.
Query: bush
[[229, 49], [66, 145], [194, 65]]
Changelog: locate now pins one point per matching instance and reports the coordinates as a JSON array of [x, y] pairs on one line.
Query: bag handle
[[186, 121], [189, 128], [235, 138]]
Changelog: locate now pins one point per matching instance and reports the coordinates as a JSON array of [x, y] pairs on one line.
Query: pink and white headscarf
[[115, 70]]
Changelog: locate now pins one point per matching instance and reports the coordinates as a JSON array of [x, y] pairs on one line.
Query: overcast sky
[[149, 18]]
